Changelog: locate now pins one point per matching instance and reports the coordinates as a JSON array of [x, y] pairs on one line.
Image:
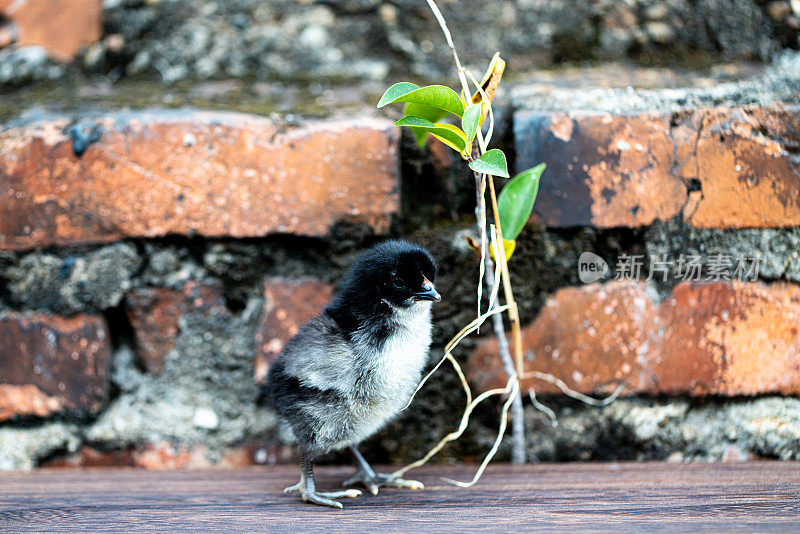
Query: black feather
[[362, 293]]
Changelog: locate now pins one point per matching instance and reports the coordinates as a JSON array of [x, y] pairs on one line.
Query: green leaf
[[470, 121], [492, 162], [437, 96], [448, 134], [426, 112], [515, 202], [396, 91]]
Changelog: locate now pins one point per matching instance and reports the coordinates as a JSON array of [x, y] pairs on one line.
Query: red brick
[[746, 163], [731, 339], [49, 363], [62, 27], [26, 400], [154, 316], [720, 338], [602, 170], [589, 336], [89, 457], [208, 173], [288, 304], [629, 170], [155, 313], [166, 455]]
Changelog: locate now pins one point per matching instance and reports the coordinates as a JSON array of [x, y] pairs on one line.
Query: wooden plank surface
[[747, 497]]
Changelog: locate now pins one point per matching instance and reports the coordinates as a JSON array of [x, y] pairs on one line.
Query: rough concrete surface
[[22, 447], [672, 429], [72, 283], [205, 394], [176, 39], [780, 83], [778, 250], [28, 64]]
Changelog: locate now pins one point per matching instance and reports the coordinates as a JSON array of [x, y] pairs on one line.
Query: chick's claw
[[373, 481], [323, 498], [297, 487], [351, 493], [326, 498]]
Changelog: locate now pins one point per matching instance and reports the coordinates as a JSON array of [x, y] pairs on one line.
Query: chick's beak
[[428, 292]]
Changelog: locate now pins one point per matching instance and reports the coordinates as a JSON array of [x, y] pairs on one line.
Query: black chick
[[351, 368]]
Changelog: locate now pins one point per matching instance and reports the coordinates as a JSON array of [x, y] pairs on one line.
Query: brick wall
[[173, 194], [153, 263], [720, 168]]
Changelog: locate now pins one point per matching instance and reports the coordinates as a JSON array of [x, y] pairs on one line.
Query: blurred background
[[183, 182]]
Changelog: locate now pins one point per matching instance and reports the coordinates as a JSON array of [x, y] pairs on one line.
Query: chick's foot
[[324, 498], [372, 481]]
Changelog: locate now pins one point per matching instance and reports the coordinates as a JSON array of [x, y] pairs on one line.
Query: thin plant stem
[[518, 455], [481, 216], [568, 391], [517, 413], [513, 315], [486, 268], [449, 38], [542, 408], [513, 389], [453, 435]]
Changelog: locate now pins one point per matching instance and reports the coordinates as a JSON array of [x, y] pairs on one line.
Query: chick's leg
[[308, 490], [371, 480]]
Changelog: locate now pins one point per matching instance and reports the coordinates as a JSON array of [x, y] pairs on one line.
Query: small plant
[[424, 110]]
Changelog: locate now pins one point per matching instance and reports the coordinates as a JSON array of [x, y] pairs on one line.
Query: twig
[[513, 387], [454, 435], [480, 214], [496, 248], [513, 314], [517, 411], [560, 384], [542, 408], [518, 455], [449, 38]]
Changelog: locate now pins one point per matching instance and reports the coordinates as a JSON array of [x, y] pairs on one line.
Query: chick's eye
[[398, 283]]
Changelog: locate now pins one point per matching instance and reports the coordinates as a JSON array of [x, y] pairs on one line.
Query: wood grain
[[757, 496]]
